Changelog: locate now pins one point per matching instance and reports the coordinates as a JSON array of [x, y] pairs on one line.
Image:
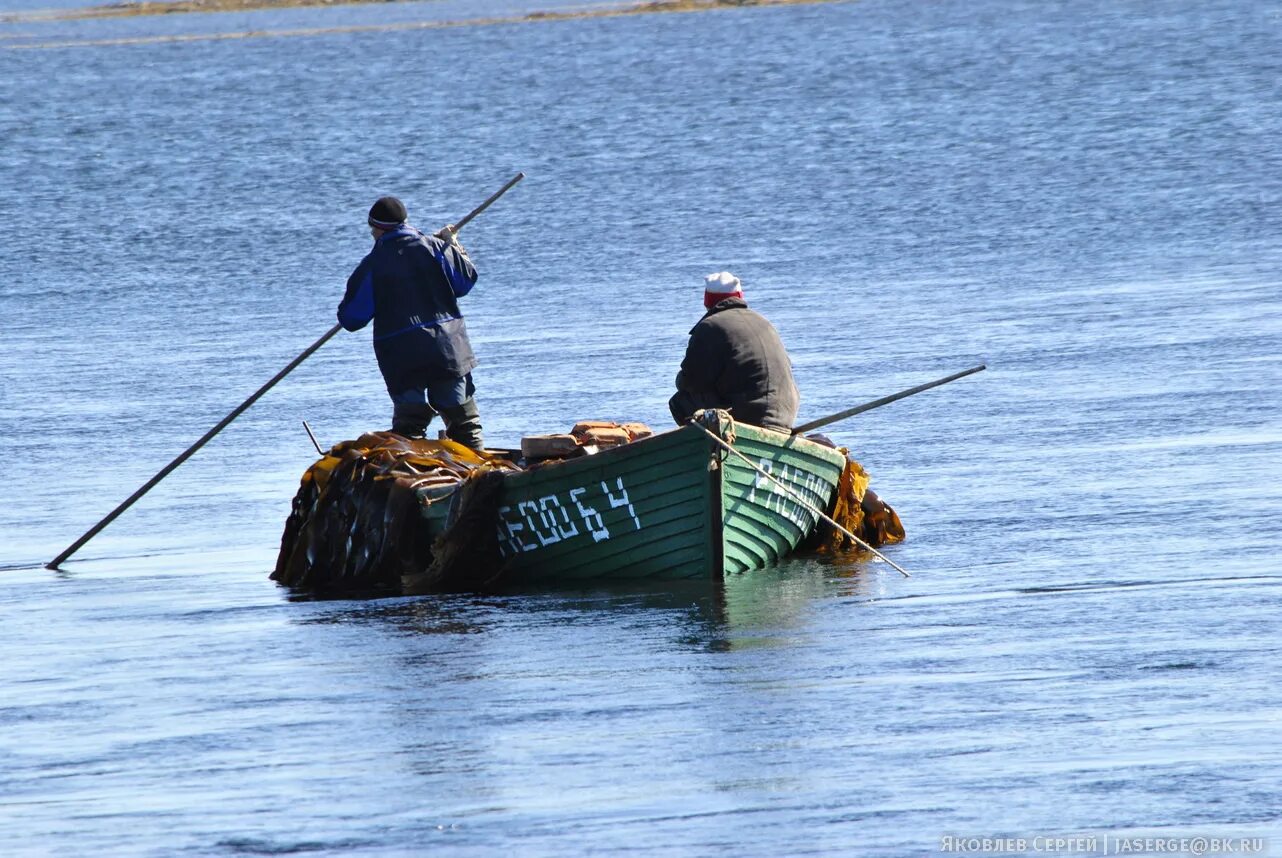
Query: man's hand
[[447, 233]]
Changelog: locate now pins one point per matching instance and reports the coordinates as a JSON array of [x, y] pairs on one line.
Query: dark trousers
[[413, 409]]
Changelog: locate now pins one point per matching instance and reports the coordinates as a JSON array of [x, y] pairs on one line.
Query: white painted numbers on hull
[[776, 499], [540, 522]]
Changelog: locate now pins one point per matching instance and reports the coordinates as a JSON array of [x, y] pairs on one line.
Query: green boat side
[[635, 511], [675, 505], [764, 519]]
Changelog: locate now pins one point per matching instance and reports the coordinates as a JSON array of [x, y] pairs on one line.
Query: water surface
[[1084, 196]]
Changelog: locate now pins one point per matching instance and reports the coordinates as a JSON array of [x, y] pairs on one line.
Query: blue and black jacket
[[409, 284]]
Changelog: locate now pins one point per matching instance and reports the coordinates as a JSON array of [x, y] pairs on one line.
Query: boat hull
[[764, 518], [675, 505]]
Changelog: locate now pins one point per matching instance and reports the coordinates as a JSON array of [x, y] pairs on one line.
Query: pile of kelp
[[358, 519], [859, 510]]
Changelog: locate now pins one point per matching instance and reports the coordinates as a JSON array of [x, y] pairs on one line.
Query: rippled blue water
[[1085, 196]]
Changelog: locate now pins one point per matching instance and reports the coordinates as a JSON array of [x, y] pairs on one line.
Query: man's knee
[[463, 424], [411, 418], [450, 392]]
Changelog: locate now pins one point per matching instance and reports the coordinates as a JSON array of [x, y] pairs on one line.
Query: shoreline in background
[[169, 7]]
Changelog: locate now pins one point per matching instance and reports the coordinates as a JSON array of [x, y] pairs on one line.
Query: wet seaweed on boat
[[857, 508], [356, 521]]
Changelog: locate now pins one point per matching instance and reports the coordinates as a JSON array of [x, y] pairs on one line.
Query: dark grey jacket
[[735, 360]]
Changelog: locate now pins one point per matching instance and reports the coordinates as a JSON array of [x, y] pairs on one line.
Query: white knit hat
[[722, 283]]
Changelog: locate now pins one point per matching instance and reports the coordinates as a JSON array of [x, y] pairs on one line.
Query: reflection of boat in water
[[759, 610], [387, 513]]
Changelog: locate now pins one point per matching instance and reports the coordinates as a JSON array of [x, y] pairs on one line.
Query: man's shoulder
[[730, 314], [401, 244], [408, 235], [720, 324]]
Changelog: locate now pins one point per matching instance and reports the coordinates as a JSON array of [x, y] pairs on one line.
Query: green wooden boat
[[674, 505], [388, 514], [704, 500]]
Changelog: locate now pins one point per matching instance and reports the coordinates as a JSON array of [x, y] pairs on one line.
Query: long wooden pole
[[187, 454], [239, 409], [885, 400], [488, 200]]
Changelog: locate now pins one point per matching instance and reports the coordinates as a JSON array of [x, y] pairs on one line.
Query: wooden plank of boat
[[669, 506], [761, 522]]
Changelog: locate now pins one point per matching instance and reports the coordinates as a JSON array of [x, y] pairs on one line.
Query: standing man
[[736, 361], [409, 284]]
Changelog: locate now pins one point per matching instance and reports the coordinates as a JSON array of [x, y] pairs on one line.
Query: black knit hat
[[387, 213]]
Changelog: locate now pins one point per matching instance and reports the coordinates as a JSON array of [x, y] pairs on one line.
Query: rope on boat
[[799, 499]]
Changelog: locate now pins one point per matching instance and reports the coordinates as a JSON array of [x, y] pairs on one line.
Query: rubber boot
[[463, 424], [410, 419]]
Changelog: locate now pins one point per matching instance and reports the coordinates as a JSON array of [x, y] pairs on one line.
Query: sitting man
[[736, 361]]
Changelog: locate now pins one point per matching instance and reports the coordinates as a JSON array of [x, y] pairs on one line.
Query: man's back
[[736, 360], [412, 280]]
